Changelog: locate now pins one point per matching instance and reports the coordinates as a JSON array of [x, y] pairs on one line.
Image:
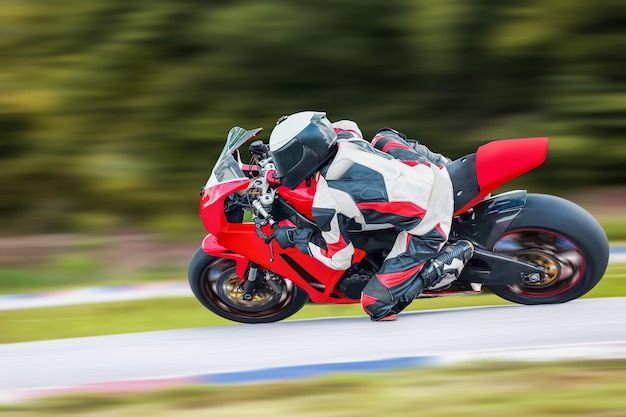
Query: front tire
[[563, 238], [217, 286]]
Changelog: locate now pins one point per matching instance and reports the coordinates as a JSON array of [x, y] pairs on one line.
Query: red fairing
[[239, 241], [212, 204], [300, 198], [501, 161], [211, 247]]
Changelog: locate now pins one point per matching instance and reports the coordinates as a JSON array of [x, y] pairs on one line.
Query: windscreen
[[227, 168]]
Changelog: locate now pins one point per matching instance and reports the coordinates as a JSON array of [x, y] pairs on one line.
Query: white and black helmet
[[300, 144]]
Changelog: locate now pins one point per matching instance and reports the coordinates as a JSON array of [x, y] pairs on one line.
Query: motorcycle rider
[[389, 181]]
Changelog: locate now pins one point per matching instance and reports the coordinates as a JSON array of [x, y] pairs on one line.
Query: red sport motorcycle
[[529, 248]]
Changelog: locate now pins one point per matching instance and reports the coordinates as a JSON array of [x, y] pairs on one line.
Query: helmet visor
[[287, 158]]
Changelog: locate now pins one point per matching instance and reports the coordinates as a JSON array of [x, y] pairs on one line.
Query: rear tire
[[217, 286], [563, 238]]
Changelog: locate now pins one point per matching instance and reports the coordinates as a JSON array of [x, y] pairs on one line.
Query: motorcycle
[[529, 248]]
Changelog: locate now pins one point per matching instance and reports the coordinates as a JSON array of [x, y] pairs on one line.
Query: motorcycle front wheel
[[561, 237], [215, 283]]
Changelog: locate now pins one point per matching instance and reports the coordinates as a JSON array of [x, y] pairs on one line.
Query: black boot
[[449, 261]]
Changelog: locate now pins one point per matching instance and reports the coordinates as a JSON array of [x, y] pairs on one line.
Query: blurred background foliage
[[113, 112]]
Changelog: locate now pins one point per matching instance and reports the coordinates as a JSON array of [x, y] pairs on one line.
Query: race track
[[586, 328]]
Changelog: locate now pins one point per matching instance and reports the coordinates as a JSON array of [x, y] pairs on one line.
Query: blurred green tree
[[113, 112]]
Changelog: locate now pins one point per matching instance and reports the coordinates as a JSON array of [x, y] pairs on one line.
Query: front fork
[[253, 282], [249, 286], [253, 278], [246, 270]]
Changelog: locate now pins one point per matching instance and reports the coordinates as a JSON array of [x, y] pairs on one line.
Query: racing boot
[[448, 263]]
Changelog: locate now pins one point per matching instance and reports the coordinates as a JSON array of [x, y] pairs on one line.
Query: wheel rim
[[222, 287], [561, 259], [230, 290]]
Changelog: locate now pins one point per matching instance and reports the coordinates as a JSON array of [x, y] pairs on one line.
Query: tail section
[[475, 176], [500, 161]]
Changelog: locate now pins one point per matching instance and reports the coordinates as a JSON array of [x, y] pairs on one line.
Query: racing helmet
[[300, 144]]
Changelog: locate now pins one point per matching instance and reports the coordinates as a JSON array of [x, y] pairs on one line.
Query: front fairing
[[239, 240], [226, 178], [228, 168]]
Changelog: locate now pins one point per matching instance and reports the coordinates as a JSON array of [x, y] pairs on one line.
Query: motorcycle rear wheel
[[563, 238], [215, 283]]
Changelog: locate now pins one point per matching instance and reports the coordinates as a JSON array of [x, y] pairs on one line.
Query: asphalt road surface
[[243, 353]]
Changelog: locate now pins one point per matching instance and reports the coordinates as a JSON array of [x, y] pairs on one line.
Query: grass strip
[[581, 388]]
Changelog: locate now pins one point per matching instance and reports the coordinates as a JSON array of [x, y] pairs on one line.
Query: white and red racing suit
[[371, 187]]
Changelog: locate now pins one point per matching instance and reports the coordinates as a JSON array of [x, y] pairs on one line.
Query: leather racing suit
[[370, 186]]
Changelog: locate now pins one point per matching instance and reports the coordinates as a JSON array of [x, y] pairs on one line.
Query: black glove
[[289, 237]]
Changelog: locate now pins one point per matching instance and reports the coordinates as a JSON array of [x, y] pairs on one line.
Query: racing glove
[[289, 237]]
